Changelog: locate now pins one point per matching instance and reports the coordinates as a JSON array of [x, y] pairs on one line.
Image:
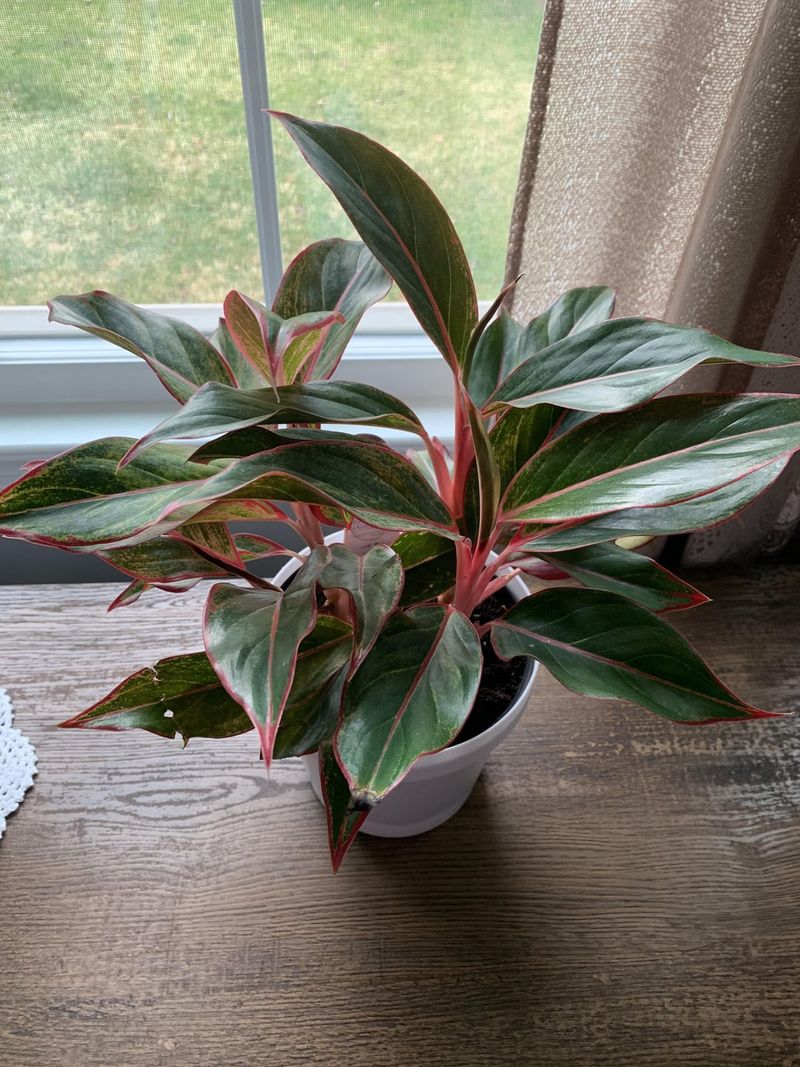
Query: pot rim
[[486, 739]]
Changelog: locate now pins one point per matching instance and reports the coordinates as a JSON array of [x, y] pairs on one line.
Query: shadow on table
[[465, 904]]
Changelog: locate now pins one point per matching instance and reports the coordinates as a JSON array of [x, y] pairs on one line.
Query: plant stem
[[463, 456], [231, 568], [444, 479], [471, 575], [498, 583], [307, 525]]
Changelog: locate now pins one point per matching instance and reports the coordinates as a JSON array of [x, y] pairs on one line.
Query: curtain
[[662, 157]]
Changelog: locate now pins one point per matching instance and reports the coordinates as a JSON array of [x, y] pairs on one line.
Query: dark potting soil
[[500, 680]]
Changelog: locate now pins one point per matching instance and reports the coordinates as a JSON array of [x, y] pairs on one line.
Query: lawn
[[123, 159]]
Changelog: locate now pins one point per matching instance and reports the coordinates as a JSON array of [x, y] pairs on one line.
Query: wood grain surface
[[618, 890]]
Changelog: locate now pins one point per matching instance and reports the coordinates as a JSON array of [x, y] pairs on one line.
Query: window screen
[[444, 83], [123, 152]]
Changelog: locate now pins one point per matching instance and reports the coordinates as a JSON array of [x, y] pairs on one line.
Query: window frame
[[60, 387]]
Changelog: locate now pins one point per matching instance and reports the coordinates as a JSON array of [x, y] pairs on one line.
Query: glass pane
[[123, 152], [444, 83]]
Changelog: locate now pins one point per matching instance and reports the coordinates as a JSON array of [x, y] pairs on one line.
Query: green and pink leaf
[[345, 815], [179, 695], [179, 354], [666, 451], [402, 223], [252, 637], [81, 499], [603, 645], [619, 571], [617, 364], [373, 582], [410, 696], [334, 275]]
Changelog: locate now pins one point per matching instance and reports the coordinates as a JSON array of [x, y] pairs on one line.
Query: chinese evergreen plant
[[561, 449]]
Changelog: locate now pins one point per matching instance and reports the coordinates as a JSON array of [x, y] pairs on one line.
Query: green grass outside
[[123, 157]]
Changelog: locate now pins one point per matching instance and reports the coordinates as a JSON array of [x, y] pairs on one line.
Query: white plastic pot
[[437, 785]]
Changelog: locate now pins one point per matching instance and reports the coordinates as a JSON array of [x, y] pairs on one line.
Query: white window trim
[[60, 387], [32, 321]]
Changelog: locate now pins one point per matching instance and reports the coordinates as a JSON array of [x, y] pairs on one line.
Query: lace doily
[[17, 762]]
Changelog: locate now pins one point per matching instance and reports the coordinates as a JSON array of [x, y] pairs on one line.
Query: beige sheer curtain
[[663, 157]]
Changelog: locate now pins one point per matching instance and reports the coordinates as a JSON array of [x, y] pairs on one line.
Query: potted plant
[[366, 654]]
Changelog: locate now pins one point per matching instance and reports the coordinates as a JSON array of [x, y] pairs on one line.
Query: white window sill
[[60, 389]]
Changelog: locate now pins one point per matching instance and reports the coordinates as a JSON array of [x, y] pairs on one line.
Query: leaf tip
[[281, 116], [266, 736], [131, 454], [758, 713], [341, 845]]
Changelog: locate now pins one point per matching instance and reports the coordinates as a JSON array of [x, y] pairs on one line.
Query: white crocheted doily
[[17, 762]]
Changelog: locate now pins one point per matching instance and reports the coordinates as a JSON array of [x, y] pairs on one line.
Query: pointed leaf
[[617, 364], [628, 574], [254, 439], [181, 357], [129, 595], [276, 348], [59, 504], [403, 225], [518, 435], [695, 514], [506, 344], [602, 645], [179, 695], [300, 343], [429, 563], [332, 275], [85, 475], [162, 561], [245, 373], [574, 311], [345, 815], [666, 451], [252, 638], [410, 696], [514, 439], [330, 516], [134, 591], [312, 710], [323, 651], [483, 324], [495, 357], [212, 539], [487, 476], [238, 510], [254, 546], [306, 724], [247, 323], [374, 582], [218, 409]]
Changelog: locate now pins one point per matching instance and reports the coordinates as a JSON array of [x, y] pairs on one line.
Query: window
[[125, 162], [126, 165], [444, 83]]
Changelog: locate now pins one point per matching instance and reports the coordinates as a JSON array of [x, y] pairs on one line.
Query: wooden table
[[618, 890]]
